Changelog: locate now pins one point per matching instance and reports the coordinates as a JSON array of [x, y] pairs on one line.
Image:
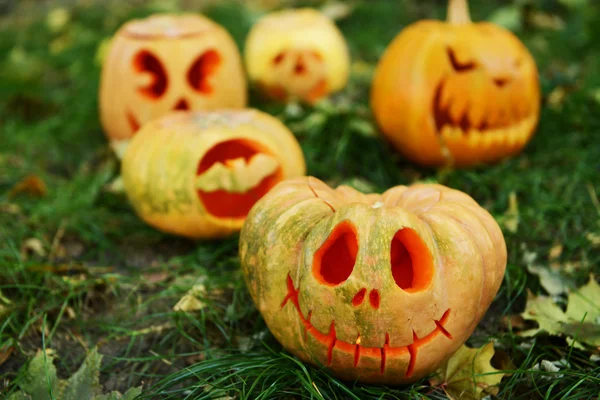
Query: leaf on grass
[[468, 374], [41, 383], [511, 216], [32, 185], [191, 301], [581, 321], [550, 278]]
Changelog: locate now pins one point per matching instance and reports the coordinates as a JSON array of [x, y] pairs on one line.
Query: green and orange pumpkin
[[378, 288], [198, 173]]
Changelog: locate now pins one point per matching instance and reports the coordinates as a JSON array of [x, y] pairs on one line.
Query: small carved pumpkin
[[455, 92], [379, 288], [297, 54], [197, 174], [164, 63]]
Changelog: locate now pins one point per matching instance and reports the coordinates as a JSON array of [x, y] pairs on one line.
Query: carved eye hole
[[201, 70], [278, 58], [412, 263], [334, 261], [156, 84], [457, 65]]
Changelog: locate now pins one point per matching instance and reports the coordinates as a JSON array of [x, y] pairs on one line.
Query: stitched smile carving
[[376, 288], [331, 341]]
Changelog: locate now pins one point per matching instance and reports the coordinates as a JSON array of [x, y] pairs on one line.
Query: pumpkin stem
[[458, 12]]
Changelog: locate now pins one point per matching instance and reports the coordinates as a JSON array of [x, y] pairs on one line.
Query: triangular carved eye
[[148, 63], [201, 70]]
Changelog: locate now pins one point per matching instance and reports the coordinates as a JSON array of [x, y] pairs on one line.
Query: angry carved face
[[166, 63]]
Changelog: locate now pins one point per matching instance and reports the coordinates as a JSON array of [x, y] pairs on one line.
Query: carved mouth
[[235, 174], [451, 120], [331, 341]]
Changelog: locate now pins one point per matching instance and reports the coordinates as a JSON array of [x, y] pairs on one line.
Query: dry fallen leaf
[[468, 374], [191, 300], [580, 323], [32, 185]]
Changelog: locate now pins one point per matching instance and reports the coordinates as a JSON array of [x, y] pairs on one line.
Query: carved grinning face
[[408, 266], [483, 94], [165, 63], [235, 174], [456, 93], [379, 288]]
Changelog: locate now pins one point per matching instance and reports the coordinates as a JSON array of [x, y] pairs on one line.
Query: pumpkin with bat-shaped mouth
[[378, 288], [297, 53], [456, 92], [198, 174], [164, 63]]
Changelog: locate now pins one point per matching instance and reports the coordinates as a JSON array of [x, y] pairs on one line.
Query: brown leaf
[[32, 185], [5, 353]]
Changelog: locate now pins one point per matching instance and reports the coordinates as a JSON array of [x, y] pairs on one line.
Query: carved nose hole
[[182, 105], [359, 297], [374, 298], [300, 67], [278, 58], [500, 82]]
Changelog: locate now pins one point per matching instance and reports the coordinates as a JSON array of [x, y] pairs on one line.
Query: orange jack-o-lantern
[[165, 63], [456, 92], [379, 288], [197, 174], [297, 54]]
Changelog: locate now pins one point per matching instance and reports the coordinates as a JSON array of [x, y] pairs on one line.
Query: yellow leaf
[[585, 303], [468, 374], [191, 300], [580, 323], [237, 176], [545, 312]]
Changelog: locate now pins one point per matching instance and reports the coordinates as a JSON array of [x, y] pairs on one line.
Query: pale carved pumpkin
[[297, 54], [378, 288], [164, 63], [456, 92], [197, 174]]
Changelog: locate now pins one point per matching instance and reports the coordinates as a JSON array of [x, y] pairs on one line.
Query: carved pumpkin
[[164, 63], [379, 288], [197, 174], [456, 92], [297, 54]]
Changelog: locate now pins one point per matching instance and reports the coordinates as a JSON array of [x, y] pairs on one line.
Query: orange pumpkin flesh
[[456, 92], [224, 204], [378, 288]]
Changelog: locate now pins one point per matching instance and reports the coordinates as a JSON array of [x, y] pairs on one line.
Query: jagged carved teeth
[[455, 114], [237, 175]]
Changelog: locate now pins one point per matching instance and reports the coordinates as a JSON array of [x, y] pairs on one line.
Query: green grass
[[105, 278]]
